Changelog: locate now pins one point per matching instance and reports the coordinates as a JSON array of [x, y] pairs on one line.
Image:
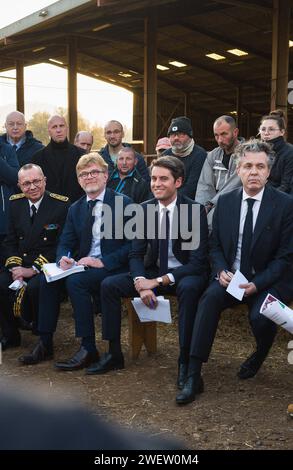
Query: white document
[[54, 273], [16, 285], [278, 312], [233, 287], [161, 313]]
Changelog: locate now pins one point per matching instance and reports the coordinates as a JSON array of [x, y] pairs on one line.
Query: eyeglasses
[[36, 183], [269, 129], [15, 124], [92, 174]]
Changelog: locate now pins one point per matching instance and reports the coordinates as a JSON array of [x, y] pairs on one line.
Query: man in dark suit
[[90, 235], [175, 263], [35, 222], [252, 232]]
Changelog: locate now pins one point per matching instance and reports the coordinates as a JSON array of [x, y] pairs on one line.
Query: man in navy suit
[[89, 236], [175, 262], [252, 232]]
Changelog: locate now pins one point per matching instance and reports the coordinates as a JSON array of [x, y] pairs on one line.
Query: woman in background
[[272, 129]]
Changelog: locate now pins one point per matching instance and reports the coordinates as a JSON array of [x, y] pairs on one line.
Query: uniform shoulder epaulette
[[59, 197], [14, 197]]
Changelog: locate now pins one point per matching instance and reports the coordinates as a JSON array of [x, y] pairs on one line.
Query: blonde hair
[[91, 158]]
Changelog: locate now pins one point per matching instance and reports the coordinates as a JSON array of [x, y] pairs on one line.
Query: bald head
[[15, 126], [84, 140], [57, 128]]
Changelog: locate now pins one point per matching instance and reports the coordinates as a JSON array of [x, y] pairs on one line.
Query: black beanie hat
[[180, 124]]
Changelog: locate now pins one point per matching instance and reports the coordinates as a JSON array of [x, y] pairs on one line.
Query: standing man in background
[[84, 140], [19, 138], [113, 133], [59, 159], [192, 155], [218, 174]]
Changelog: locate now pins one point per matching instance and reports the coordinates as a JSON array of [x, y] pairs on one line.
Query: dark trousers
[[214, 300], [29, 305], [188, 291], [80, 287]]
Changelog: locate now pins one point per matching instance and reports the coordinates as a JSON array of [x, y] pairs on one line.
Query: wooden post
[[72, 87], [150, 83], [19, 86]]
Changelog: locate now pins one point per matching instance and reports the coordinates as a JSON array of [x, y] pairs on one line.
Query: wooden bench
[[140, 333], [145, 333]]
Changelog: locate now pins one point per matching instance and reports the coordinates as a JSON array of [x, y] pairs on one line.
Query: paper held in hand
[[160, 313], [278, 312], [53, 273]]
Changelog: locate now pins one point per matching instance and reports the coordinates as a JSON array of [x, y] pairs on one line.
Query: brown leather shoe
[[39, 353], [81, 359]]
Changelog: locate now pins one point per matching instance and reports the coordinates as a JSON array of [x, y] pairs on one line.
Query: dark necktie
[[34, 211], [164, 243], [245, 263], [14, 147], [87, 233]]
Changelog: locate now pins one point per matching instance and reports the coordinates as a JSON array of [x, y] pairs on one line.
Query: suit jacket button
[[24, 254]]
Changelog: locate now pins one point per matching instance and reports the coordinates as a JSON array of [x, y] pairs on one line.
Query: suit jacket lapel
[[235, 220], [265, 211]]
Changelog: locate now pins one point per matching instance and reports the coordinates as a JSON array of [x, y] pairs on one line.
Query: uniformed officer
[[35, 222]]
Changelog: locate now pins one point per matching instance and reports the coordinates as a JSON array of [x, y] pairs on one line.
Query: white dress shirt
[[243, 212]]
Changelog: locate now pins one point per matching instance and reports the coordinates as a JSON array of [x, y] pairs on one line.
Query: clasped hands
[[144, 288]]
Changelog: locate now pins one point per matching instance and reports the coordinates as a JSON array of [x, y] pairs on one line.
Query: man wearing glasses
[[89, 238], [36, 219], [19, 138], [113, 133]]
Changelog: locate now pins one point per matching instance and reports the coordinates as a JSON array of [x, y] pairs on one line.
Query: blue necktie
[[245, 263], [87, 232], [34, 211], [164, 243]]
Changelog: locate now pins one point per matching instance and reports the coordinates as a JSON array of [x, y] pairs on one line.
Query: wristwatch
[[160, 281]]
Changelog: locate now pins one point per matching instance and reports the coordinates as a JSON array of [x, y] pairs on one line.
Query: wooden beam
[[72, 88], [150, 84], [247, 4], [280, 54], [19, 86]]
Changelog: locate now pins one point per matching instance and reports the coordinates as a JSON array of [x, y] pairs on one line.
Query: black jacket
[[193, 164], [145, 250], [58, 162], [282, 171], [133, 186]]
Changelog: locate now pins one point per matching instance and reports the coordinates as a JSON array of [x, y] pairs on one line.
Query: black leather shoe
[[105, 364], [10, 341], [24, 324], [250, 367], [193, 386], [182, 375], [39, 353], [81, 359]]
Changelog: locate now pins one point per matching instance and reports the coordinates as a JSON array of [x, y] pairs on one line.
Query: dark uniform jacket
[[34, 244]]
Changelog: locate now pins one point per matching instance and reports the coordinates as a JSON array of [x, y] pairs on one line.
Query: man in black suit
[[252, 232], [175, 263], [36, 219], [89, 236]]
